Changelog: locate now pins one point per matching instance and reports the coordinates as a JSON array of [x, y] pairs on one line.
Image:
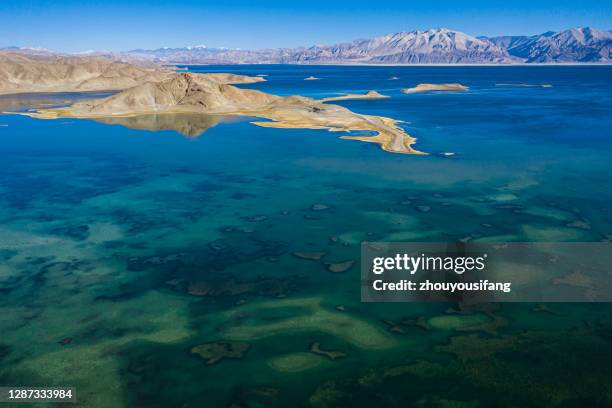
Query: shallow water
[[124, 248]]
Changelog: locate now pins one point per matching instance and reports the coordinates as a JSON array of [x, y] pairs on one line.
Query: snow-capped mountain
[[432, 46], [575, 45], [435, 46]]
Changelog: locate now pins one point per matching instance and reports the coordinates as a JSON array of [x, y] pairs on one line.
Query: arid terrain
[[156, 91]]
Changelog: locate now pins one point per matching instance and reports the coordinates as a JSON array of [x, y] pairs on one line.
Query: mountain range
[[435, 46], [575, 45]]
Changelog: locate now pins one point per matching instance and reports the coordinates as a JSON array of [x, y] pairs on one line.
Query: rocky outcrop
[[21, 73]]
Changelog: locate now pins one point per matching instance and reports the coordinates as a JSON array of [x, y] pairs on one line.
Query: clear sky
[[79, 25]]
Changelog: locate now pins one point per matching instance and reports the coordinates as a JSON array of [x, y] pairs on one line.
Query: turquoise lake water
[[122, 250]]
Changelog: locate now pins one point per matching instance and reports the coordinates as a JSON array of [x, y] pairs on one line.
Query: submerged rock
[[394, 327], [339, 267], [576, 279], [139, 263], [581, 224], [420, 322], [327, 394], [423, 208], [232, 287], [218, 245], [65, 341], [332, 355], [310, 256], [256, 218], [175, 283], [217, 351], [295, 362], [459, 322], [319, 207]]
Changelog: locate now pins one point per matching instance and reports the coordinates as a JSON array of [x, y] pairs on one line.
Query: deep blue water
[[108, 235]]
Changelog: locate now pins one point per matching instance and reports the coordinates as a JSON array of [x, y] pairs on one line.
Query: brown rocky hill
[[184, 92], [21, 73]]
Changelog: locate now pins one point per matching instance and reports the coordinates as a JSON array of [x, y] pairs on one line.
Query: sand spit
[[435, 87], [368, 95], [203, 94]]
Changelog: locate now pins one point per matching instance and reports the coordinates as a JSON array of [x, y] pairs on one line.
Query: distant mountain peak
[[439, 45]]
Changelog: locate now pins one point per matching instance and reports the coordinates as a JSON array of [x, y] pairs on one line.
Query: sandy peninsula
[[435, 87], [367, 95], [189, 93]]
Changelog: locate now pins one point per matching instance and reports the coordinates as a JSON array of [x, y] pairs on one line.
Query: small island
[[367, 95], [311, 78], [435, 87]]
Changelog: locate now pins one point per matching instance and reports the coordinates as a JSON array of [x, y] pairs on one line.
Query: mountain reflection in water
[[189, 125]]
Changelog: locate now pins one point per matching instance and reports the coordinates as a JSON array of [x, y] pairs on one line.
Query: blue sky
[[78, 25]]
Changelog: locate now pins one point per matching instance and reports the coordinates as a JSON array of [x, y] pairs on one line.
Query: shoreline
[[370, 95], [387, 134], [521, 64], [211, 94]]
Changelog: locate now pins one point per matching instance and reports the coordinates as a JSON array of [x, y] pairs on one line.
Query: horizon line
[[203, 46]]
